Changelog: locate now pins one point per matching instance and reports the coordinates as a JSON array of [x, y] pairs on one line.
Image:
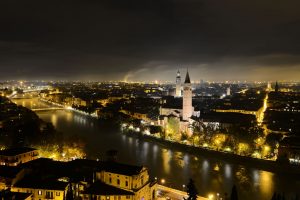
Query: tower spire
[[187, 77]]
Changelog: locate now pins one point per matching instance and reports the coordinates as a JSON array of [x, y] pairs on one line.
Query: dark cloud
[[128, 39]]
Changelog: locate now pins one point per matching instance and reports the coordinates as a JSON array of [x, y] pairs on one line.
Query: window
[[40, 192], [126, 183], [107, 197], [49, 194], [118, 181], [57, 193], [109, 179], [127, 197], [119, 197]]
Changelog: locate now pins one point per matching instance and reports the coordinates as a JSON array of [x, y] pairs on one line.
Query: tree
[[173, 130], [234, 195], [191, 190], [69, 195]]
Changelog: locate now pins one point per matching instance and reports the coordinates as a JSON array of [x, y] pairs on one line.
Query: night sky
[[150, 39]]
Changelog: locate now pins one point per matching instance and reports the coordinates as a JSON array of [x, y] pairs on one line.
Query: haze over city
[[150, 99], [147, 40]]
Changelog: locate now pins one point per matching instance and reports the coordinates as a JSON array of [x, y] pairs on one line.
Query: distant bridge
[[25, 91], [48, 109]]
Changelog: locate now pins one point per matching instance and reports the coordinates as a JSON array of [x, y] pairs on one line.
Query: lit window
[[40, 192], [107, 198], [57, 193]]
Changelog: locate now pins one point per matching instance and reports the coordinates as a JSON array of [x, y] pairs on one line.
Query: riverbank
[[266, 165]]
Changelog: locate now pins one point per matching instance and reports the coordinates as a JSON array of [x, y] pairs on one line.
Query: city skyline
[[149, 40]]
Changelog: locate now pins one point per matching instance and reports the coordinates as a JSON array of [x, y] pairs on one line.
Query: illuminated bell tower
[[187, 107], [178, 85]]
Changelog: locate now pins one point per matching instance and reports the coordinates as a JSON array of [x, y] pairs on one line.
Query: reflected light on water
[[256, 177], [186, 159], [130, 141], [228, 171], [266, 182], [145, 149], [69, 116], [54, 120], [155, 150], [205, 166], [166, 157], [178, 159]]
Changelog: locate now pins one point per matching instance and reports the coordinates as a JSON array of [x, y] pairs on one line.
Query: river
[[173, 166]]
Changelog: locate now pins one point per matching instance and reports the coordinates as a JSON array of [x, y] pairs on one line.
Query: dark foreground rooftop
[[7, 195], [40, 184]]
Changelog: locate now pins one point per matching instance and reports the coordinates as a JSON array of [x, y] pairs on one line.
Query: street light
[[162, 181]]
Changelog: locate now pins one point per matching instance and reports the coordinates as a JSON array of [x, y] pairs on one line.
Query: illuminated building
[[289, 149], [16, 156], [269, 86], [187, 107], [181, 115], [120, 181], [228, 92], [178, 85], [42, 190]]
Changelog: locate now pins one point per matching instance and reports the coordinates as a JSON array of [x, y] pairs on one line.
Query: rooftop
[[40, 184], [187, 78], [119, 168], [99, 188], [9, 171], [7, 195], [16, 151]]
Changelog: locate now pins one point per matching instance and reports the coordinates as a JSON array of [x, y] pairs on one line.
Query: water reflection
[[228, 171], [54, 120], [266, 182], [176, 167], [166, 157]]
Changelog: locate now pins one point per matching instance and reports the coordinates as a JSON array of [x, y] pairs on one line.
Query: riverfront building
[[44, 179], [16, 156], [122, 182]]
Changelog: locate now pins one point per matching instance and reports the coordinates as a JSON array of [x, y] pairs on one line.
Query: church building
[[182, 116]]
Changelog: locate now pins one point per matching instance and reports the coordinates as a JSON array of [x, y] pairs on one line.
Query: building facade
[[115, 181], [178, 85], [42, 190], [16, 156], [187, 107]]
